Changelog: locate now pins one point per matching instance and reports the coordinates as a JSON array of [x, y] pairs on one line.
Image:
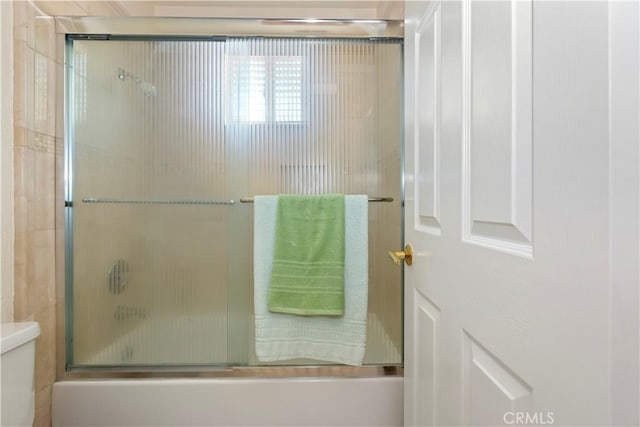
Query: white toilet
[[17, 373]]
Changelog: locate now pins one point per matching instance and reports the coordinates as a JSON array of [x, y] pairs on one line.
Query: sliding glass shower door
[[165, 140]]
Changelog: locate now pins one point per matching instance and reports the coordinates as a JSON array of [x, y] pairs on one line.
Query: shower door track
[[209, 371]]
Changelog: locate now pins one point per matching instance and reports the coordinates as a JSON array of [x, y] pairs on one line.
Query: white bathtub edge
[[326, 402]]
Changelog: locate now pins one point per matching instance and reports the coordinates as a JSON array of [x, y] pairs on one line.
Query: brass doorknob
[[406, 255]]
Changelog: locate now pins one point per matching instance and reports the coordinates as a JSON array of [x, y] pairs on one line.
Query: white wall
[[6, 159], [624, 134]]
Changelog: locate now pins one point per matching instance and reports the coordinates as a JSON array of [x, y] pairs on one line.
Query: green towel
[[308, 260]]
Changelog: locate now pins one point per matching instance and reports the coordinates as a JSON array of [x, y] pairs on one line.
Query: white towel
[[284, 336]]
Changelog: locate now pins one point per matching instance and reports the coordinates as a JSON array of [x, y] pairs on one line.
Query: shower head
[[147, 88]]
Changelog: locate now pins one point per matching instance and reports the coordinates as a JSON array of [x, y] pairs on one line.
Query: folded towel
[[284, 336], [308, 259]]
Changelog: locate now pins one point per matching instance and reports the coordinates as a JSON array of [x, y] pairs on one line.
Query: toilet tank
[[17, 373]]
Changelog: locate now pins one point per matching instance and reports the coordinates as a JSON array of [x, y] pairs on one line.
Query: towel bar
[[371, 199], [195, 202], [159, 202]]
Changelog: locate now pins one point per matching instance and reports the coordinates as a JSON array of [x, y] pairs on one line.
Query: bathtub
[[229, 402], [318, 395]]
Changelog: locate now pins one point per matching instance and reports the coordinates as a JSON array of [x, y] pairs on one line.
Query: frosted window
[[264, 89]]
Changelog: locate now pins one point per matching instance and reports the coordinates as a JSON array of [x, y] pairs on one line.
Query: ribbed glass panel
[[332, 124], [153, 130], [170, 128]]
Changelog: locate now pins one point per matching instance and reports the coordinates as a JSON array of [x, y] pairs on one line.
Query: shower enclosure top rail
[[229, 27], [159, 202], [371, 199]]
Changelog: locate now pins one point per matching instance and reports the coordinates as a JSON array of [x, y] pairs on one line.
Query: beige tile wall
[[6, 161], [35, 150], [38, 184]]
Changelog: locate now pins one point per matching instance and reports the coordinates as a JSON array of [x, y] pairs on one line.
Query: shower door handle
[[406, 255]]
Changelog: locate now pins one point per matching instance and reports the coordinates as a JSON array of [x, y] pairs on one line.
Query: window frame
[[231, 117]]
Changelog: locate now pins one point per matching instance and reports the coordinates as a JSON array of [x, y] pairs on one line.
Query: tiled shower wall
[[38, 181], [36, 151], [6, 161]]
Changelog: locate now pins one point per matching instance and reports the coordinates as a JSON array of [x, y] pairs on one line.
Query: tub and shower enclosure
[[168, 140]]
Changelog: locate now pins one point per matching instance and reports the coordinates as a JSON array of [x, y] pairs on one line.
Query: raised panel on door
[[425, 335], [493, 393], [497, 123], [427, 120], [423, 201]]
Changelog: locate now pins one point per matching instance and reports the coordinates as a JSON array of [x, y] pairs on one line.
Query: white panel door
[[514, 309]]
